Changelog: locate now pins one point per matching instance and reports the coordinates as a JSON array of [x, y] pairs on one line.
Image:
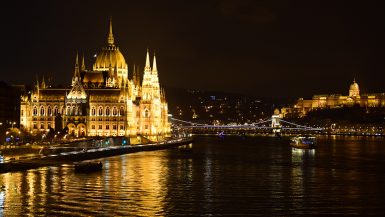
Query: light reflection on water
[[230, 176]]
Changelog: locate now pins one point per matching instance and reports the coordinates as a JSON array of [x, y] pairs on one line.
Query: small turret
[[43, 85], [37, 83], [83, 67], [163, 95]]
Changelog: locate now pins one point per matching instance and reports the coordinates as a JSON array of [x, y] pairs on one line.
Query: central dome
[[110, 57]]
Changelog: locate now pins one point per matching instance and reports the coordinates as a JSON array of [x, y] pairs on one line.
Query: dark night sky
[[263, 48]]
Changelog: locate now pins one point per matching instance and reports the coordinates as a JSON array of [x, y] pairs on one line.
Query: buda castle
[[303, 106], [103, 101]]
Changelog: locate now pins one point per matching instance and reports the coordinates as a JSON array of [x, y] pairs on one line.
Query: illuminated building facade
[[102, 101], [303, 106]]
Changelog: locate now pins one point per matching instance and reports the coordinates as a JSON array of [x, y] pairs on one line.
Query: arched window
[[34, 111], [107, 111], [121, 111], [73, 110], [114, 111], [68, 110], [42, 111], [93, 111], [49, 111], [100, 111], [146, 113], [55, 110]]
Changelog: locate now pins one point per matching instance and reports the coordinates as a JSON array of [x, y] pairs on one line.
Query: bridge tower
[[276, 121]]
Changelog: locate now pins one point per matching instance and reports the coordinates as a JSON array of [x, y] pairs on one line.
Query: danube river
[[233, 176]]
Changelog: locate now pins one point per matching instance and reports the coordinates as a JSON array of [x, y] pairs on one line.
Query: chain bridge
[[275, 125]]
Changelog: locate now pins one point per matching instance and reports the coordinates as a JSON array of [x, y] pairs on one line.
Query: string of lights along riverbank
[[103, 101]]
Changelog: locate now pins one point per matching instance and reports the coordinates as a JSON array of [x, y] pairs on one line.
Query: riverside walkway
[[87, 154]]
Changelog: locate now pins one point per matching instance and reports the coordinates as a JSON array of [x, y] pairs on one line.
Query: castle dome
[[354, 89], [354, 86]]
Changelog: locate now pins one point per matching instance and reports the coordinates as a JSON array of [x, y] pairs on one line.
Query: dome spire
[[110, 35]]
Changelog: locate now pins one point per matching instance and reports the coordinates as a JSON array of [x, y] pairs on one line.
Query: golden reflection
[[298, 159], [12, 187], [298, 155], [149, 175], [31, 192]]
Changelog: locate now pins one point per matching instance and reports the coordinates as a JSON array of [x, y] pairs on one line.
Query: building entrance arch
[[71, 129], [82, 130]]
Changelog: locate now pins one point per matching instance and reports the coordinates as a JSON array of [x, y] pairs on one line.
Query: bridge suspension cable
[[300, 126], [187, 122]]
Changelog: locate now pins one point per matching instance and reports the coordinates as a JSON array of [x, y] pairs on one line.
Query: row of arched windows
[[46, 111], [76, 110], [107, 111]]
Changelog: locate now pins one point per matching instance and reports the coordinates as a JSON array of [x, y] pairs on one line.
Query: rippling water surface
[[234, 176]]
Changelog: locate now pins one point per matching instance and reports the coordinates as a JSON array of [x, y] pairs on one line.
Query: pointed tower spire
[[76, 73], [110, 35], [76, 76], [83, 68], [154, 69], [155, 80], [148, 66]]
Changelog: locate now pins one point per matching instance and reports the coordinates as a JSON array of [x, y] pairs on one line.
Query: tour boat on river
[[303, 142], [88, 167]]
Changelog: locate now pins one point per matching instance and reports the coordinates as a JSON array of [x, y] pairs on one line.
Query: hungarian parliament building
[[103, 101], [303, 106]]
